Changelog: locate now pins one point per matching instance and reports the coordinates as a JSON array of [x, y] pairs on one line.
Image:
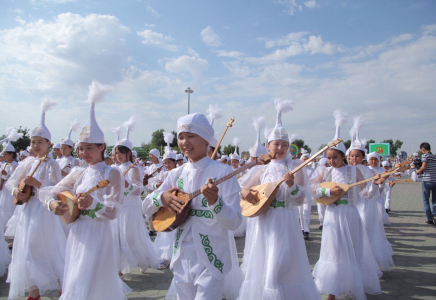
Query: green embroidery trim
[[176, 243], [129, 190], [276, 203], [294, 192], [219, 207], [201, 213], [131, 187], [126, 193], [180, 183], [209, 251], [155, 202], [204, 202], [91, 212], [323, 192], [341, 202]]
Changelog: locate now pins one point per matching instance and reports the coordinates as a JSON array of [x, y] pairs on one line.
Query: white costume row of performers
[[204, 261]]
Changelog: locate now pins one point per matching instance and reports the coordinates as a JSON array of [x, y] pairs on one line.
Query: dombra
[[265, 193], [27, 189], [70, 199], [165, 220]]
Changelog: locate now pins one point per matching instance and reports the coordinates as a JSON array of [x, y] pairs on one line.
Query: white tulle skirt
[[251, 231], [240, 231], [91, 270], [7, 206], [384, 214], [346, 266], [371, 213], [277, 265], [11, 226], [163, 244], [38, 255], [134, 247], [5, 254]]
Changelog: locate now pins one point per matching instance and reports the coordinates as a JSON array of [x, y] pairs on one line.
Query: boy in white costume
[[202, 254], [305, 208]]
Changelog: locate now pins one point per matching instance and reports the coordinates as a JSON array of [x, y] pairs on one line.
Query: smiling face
[[57, 152], [91, 153], [192, 146], [335, 158], [8, 157], [66, 150], [373, 162], [169, 164], [121, 157], [153, 159], [234, 163], [281, 148], [39, 145]]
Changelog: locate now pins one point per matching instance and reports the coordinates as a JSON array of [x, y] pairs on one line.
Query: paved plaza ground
[[414, 244]]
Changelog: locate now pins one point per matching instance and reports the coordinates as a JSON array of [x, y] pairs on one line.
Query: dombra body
[[70, 199], [27, 189]]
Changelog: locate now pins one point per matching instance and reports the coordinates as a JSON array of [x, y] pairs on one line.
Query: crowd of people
[[87, 259]]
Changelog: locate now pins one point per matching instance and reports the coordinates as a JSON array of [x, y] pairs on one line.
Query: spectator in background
[[428, 171]]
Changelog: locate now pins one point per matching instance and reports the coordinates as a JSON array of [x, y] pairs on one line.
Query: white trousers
[[388, 190], [304, 212], [192, 279], [321, 212]]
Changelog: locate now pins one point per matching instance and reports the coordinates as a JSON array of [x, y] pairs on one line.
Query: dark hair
[[425, 145], [14, 154], [344, 157], [102, 152], [72, 152], [125, 150]]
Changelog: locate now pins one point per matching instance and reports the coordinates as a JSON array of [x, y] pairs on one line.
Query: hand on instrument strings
[[172, 202], [336, 191], [20, 195], [210, 192], [249, 195], [289, 179], [4, 172], [84, 201], [31, 181], [58, 207], [158, 184]]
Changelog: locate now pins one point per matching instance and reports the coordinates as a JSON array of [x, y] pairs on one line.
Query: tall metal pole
[[189, 91]]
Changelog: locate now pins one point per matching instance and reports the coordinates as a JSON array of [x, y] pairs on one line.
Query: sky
[[371, 58]]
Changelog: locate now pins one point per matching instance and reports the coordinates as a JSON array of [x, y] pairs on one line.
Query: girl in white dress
[[90, 264], [68, 161], [130, 232], [346, 266], [277, 267], [7, 206], [38, 255]]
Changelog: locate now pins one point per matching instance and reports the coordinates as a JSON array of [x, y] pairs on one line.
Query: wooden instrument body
[[26, 190], [73, 213], [164, 220], [265, 194], [332, 199]]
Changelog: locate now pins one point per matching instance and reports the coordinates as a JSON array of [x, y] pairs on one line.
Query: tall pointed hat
[[279, 132], [214, 113], [73, 127], [41, 130], [340, 119], [258, 148], [129, 125]]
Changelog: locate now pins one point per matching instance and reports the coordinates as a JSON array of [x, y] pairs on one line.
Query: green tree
[[228, 149], [157, 139], [301, 145], [322, 146], [367, 144], [23, 142], [347, 144], [395, 146]]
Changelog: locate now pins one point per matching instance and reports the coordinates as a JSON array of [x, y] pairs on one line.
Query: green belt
[[277, 203], [341, 202]]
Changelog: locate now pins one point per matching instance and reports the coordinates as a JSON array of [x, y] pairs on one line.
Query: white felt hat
[[374, 154], [73, 127], [340, 119], [179, 156], [57, 146], [91, 132], [168, 138], [236, 142], [196, 123], [41, 130], [129, 125], [258, 148], [279, 132], [155, 152], [12, 136], [214, 113], [357, 144]]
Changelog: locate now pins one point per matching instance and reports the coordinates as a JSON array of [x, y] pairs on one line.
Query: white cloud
[[210, 38], [19, 20], [152, 11], [193, 65], [291, 6], [237, 68], [17, 11], [223, 53], [401, 38], [149, 25], [57, 54], [278, 55], [285, 40], [429, 29], [316, 45], [158, 39], [311, 4], [41, 2]]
